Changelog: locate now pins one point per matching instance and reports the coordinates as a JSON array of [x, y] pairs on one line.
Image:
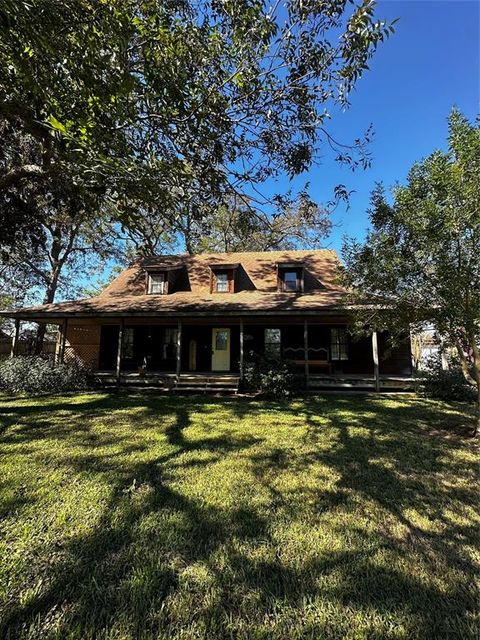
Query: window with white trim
[[221, 282], [157, 283], [290, 278]]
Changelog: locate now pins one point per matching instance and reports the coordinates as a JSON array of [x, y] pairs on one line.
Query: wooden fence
[[26, 347]]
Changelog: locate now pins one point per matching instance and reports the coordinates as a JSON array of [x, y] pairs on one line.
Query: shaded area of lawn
[[153, 517]]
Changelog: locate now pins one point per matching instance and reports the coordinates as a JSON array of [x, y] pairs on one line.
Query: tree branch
[[15, 175]]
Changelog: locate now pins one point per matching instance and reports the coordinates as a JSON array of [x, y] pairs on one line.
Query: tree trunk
[[477, 426], [464, 364], [188, 244], [475, 379], [57, 261], [476, 368], [48, 299]]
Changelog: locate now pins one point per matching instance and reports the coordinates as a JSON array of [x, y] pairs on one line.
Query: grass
[[143, 517]]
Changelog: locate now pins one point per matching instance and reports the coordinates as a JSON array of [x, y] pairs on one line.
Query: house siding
[[83, 343]]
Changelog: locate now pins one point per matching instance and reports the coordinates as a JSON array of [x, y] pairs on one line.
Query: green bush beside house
[[40, 374]]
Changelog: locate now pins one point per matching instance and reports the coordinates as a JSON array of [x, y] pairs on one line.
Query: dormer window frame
[[170, 278], [161, 284], [228, 270], [222, 282], [291, 268]]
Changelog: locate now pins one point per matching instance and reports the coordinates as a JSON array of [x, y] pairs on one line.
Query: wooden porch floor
[[201, 382]]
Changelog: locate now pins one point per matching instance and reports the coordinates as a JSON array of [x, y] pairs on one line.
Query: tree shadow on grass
[[391, 459], [131, 567], [89, 576]]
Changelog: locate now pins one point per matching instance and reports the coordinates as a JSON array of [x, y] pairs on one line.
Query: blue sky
[[416, 77]]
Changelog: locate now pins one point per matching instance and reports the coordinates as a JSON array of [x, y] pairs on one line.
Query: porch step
[[358, 382], [207, 384], [198, 383]]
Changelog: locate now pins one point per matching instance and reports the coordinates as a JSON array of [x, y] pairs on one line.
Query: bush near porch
[[273, 378], [144, 517], [40, 374], [444, 384]]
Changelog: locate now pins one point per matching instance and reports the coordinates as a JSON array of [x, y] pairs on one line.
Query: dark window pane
[[128, 342], [273, 338], [290, 280], [169, 344], [272, 335], [221, 340], [338, 344]]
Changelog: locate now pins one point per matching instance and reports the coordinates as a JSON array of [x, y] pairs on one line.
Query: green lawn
[[152, 517]]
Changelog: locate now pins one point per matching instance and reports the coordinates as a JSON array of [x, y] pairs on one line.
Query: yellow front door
[[220, 349]]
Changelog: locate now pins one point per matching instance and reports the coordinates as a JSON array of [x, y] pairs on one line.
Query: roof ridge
[[229, 253]]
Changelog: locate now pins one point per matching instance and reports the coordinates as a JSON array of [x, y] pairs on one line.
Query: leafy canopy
[[163, 102], [421, 258]]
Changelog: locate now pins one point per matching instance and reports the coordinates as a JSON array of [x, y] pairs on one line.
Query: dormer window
[[221, 282], [290, 281], [157, 283], [290, 277], [223, 278]]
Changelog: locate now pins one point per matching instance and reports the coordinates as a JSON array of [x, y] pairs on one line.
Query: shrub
[[445, 384], [36, 374], [272, 378]]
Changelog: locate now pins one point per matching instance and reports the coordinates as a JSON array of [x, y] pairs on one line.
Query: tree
[[15, 291], [297, 223], [421, 259], [67, 228], [148, 233], [156, 100]]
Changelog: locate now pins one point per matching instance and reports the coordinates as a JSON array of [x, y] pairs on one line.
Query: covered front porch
[[173, 353]]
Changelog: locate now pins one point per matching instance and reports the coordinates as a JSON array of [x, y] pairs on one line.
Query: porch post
[[241, 349], [16, 333], [63, 340], [376, 368], [119, 348], [179, 347], [305, 348]]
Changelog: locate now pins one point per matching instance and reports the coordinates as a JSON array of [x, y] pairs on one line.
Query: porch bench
[[315, 363], [298, 357]]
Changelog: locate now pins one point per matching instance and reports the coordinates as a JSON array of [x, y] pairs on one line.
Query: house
[[179, 317]]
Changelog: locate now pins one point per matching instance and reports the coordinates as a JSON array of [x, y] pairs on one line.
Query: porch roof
[[186, 303]]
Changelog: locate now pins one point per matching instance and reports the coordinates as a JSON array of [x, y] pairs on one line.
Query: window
[[273, 338], [222, 277], [221, 282], [221, 340], [169, 344], [157, 283], [290, 278], [338, 344], [127, 347], [290, 281]]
